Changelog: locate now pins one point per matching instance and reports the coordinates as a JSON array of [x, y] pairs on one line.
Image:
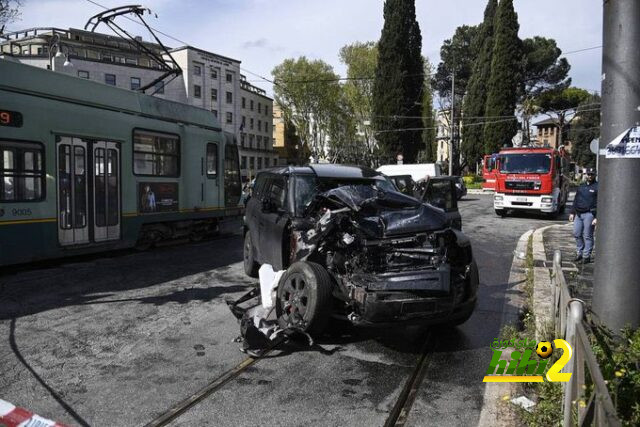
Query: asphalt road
[[118, 340]]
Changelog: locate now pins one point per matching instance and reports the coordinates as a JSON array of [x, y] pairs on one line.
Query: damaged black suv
[[354, 246]]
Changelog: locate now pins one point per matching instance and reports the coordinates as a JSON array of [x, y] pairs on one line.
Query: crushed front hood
[[387, 213]]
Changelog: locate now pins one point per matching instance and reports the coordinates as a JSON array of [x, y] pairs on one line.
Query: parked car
[[353, 246]]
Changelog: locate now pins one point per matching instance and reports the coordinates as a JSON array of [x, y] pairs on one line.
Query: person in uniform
[[583, 215]]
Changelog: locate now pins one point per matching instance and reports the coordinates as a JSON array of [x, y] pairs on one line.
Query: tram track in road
[[401, 409], [184, 405]]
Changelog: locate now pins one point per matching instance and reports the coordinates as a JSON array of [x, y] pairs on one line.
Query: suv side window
[[259, 186], [277, 192]]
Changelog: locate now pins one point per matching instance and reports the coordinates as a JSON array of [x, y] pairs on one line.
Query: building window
[[266, 162], [229, 78], [251, 138], [156, 154], [131, 61], [259, 125], [243, 164], [266, 110], [242, 135], [229, 117], [251, 123], [197, 70], [197, 91], [251, 104], [258, 141], [215, 113], [266, 127], [135, 83], [229, 98], [214, 74], [83, 74], [212, 160], [159, 87], [244, 102], [252, 163], [244, 122], [259, 107], [214, 94], [21, 172], [259, 163], [110, 79]]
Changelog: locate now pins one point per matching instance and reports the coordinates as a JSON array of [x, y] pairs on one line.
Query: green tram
[[86, 167]]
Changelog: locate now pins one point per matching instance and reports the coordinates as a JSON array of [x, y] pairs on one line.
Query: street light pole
[[616, 292], [453, 124]]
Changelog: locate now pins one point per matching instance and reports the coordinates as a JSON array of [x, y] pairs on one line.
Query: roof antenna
[[170, 68]]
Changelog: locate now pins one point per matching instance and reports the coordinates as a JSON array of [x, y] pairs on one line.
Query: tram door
[[106, 191], [88, 178]]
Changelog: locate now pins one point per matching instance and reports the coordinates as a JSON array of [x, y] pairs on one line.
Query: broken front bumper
[[404, 296]]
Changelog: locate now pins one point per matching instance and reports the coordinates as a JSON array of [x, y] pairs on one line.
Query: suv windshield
[[525, 163], [307, 186]]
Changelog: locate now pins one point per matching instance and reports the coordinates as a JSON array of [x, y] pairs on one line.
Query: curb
[[478, 191], [494, 411], [542, 287]]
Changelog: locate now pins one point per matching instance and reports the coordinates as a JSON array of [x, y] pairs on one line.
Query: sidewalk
[[579, 276]]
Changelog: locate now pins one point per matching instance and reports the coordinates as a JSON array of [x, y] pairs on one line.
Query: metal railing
[[568, 312]]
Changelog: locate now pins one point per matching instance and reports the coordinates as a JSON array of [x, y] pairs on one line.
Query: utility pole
[[616, 293], [453, 124]]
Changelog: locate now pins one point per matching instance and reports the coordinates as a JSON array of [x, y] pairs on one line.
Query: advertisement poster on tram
[[157, 197]]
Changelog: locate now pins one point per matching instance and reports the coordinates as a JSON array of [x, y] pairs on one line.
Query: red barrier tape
[[12, 416]]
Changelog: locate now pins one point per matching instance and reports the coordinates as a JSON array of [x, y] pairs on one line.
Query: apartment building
[[208, 80]]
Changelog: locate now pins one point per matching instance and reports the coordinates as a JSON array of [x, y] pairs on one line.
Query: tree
[[473, 107], [399, 81], [585, 128], [544, 71], [9, 12], [457, 55], [361, 60], [428, 153], [307, 91], [505, 80], [561, 105]]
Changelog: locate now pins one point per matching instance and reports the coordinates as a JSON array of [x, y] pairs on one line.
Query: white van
[[417, 171]]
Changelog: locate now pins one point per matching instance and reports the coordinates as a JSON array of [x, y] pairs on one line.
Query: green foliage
[[544, 71], [310, 97], [9, 11], [458, 55], [504, 81], [585, 128], [361, 60], [619, 360], [428, 153], [561, 104], [473, 107], [472, 179], [399, 81]]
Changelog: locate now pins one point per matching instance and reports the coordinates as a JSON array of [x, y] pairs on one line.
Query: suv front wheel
[[250, 264]]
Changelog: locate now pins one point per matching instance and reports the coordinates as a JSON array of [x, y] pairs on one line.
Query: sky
[[262, 33]]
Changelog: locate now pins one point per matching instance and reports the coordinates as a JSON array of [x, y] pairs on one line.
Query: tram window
[[21, 172], [212, 160], [156, 154], [232, 186]]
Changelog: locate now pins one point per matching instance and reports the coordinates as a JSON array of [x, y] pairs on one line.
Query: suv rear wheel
[[304, 297], [250, 264]]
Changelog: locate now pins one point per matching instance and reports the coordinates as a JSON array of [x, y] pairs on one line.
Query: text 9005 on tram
[[86, 167]]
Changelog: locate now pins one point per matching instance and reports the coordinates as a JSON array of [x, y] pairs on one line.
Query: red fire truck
[[489, 172], [531, 178]]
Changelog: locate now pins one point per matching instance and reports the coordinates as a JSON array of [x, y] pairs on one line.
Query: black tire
[[304, 297], [250, 264], [501, 212], [471, 292]]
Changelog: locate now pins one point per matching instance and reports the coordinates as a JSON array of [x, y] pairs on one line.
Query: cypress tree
[[399, 81], [473, 106], [504, 81]]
